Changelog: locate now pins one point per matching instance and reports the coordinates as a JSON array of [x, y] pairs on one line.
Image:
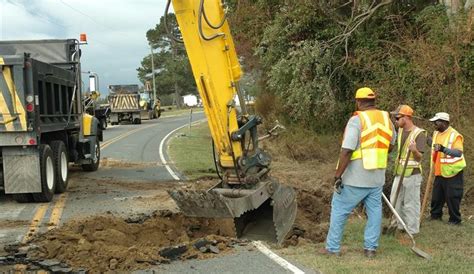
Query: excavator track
[[268, 202]]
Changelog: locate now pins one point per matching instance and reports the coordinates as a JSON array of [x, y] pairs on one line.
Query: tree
[[172, 69]]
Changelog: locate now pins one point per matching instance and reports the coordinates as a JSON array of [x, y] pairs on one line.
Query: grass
[[191, 152], [172, 111], [450, 247]]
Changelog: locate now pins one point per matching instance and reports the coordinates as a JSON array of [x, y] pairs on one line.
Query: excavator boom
[[246, 192]]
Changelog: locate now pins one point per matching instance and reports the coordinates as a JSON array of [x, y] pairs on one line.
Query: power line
[[86, 15], [35, 13]]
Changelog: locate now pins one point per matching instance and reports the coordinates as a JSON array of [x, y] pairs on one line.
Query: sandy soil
[[104, 243]]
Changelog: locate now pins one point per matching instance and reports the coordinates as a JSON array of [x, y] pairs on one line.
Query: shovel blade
[[421, 253]]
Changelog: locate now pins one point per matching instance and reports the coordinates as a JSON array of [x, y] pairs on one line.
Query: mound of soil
[[104, 243]]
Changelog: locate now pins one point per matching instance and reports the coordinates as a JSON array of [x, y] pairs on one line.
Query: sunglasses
[[399, 117]]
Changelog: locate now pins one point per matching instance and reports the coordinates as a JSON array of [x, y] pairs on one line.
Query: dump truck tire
[[48, 181], [61, 164], [95, 164]]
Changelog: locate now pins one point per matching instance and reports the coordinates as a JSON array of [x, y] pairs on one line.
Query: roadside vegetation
[[450, 247], [191, 152]]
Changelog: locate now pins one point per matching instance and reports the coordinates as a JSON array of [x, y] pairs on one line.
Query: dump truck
[[124, 103], [43, 127]]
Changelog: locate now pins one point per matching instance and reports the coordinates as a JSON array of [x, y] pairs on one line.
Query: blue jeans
[[343, 204]]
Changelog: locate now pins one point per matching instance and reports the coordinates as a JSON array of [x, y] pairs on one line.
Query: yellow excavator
[[260, 206]]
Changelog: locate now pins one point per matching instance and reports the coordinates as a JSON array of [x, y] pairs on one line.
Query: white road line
[[277, 259], [162, 156]]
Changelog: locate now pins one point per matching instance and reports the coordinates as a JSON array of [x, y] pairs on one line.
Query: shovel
[[393, 225], [415, 249]]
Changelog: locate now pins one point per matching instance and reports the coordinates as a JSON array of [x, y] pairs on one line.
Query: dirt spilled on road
[[104, 243]]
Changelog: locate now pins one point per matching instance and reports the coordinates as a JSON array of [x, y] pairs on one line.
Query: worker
[[360, 175], [448, 159], [411, 146]]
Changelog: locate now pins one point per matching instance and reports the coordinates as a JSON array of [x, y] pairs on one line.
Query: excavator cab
[[262, 208]]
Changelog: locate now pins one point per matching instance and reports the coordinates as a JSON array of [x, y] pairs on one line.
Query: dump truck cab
[[42, 123]]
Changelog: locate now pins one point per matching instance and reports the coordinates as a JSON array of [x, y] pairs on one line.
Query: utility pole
[[153, 75], [174, 51]]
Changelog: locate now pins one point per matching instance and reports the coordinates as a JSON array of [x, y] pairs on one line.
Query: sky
[[116, 31]]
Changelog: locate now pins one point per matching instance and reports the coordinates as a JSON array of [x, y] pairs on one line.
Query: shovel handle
[[429, 184], [402, 176]]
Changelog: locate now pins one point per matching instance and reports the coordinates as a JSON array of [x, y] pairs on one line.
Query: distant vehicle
[[42, 123], [124, 103], [190, 100], [149, 108]]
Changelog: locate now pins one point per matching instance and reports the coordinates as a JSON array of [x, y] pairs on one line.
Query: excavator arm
[[246, 192]]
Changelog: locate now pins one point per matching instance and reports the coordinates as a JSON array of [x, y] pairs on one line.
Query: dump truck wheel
[[23, 198], [61, 164], [95, 163], [48, 181]]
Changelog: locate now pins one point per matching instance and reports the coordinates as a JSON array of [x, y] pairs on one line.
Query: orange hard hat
[[405, 110], [365, 93]]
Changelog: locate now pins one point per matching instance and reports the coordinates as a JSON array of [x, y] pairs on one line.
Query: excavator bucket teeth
[[244, 205], [284, 211]]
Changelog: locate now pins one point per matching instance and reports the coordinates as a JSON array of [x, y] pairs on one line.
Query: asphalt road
[[131, 171]]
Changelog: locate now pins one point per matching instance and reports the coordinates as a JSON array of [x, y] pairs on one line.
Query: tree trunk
[[452, 6]]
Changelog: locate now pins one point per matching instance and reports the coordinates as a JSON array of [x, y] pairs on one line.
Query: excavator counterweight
[[260, 206]]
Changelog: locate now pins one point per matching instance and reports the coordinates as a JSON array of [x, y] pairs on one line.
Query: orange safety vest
[[449, 166], [375, 137]]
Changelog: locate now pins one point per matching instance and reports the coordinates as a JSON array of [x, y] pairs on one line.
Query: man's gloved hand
[[438, 147], [338, 186]]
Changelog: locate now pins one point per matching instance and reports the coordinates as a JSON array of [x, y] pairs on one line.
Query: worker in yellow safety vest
[[360, 175], [411, 146], [448, 160]]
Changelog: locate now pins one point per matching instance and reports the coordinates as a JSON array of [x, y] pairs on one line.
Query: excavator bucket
[[266, 212]]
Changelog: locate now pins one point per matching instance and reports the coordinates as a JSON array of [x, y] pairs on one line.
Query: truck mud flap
[[21, 170], [253, 210]]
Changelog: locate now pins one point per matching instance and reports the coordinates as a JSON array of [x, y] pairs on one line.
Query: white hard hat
[[440, 116]]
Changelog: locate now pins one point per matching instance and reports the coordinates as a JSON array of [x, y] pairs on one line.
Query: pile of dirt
[[104, 243]]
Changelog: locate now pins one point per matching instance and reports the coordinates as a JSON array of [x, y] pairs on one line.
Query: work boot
[[324, 251], [435, 218], [369, 253], [454, 223]]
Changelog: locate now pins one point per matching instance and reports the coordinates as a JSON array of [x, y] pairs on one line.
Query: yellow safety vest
[[450, 166], [375, 137], [402, 153]]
